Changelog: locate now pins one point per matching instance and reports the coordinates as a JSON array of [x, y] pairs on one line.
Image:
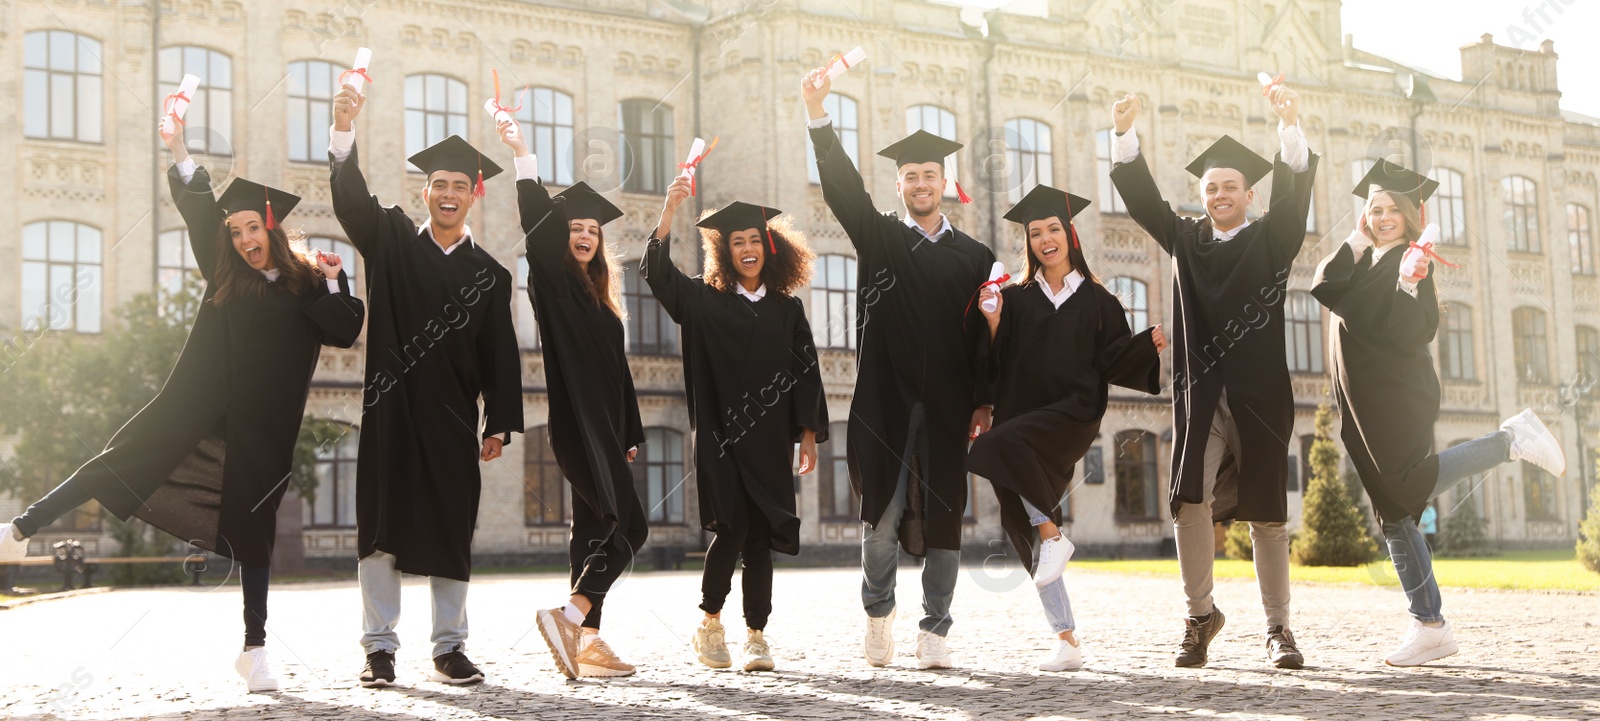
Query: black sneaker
[[1281, 650], [454, 668], [379, 670], [1197, 634]]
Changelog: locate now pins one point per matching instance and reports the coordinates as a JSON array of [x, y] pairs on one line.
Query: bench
[[87, 567], [673, 557]]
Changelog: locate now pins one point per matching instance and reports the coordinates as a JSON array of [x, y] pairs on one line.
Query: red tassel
[[1074, 229], [771, 245], [961, 195], [480, 191], [1423, 209], [272, 222]]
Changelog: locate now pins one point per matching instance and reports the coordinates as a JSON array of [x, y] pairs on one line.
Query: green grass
[[1517, 570]]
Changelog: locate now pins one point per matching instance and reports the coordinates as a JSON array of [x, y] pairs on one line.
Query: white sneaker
[[1066, 658], [256, 670], [879, 646], [932, 651], [1533, 442], [1423, 644], [11, 549], [1053, 557]]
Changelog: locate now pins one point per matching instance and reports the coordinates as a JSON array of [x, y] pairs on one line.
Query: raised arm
[[191, 193], [842, 187], [1294, 173], [1331, 285], [672, 287], [359, 213], [335, 311], [1131, 176]]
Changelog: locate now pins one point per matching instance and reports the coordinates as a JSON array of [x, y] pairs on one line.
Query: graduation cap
[[457, 156], [581, 201], [1394, 178], [1230, 153], [271, 203], [737, 216], [1047, 202], [925, 147]]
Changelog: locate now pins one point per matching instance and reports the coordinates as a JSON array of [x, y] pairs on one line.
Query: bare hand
[[1286, 103], [813, 95], [982, 418], [1124, 112], [491, 448], [808, 452], [330, 264], [509, 135], [633, 453], [1422, 269], [347, 104], [173, 139], [988, 292], [1158, 338]]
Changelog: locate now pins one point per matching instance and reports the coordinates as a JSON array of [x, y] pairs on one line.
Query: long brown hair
[[1408, 212], [782, 273], [603, 280], [1031, 264], [297, 273]]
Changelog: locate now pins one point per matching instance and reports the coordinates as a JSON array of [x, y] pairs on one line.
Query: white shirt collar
[[1228, 234], [944, 227], [761, 292], [1378, 253], [1074, 279], [466, 235], [271, 275]]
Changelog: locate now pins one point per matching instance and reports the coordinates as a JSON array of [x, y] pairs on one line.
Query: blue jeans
[[1408, 550], [1057, 607], [880, 560]]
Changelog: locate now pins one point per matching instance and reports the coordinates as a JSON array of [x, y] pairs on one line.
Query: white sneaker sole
[[259, 687], [714, 663], [1433, 654], [934, 663], [558, 650], [441, 678], [888, 653], [588, 671], [376, 683], [759, 664], [1055, 667]]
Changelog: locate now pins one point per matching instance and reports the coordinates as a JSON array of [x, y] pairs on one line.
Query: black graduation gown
[[594, 411], [208, 459], [919, 339], [440, 336], [1383, 376], [1052, 368], [754, 388], [1227, 333]]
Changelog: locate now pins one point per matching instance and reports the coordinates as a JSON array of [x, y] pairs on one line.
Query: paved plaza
[[168, 653]]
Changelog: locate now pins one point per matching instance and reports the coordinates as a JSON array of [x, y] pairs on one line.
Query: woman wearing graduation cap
[[206, 460], [754, 390], [594, 423], [1386, 312], [1059, 339]]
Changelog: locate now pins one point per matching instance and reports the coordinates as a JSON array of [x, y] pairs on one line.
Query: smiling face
[[250, 241], [1049, 240], [921, 187], [449, 197], [1226, 197], [583, 239], [748, 251], [1386, 223]]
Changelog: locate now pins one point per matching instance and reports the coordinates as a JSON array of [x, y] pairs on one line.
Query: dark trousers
[[599, 558], [751, 537]]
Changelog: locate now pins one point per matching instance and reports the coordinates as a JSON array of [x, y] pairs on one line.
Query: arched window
[[546, 116], [436, 108], [650, 330], [1135, 300], [658, 475], [61, 276], [846, 124], [1588, 347], [1138, 489], [1448, 206], [312, 85], [648, 164], [544, 495], [940, 122], [208, 124], [1358, 172], [833, 301], [335, 502], [522, 308], [175, 263], [1579, 239], [1538, 493], [1110, 199], [1303, 332], [61, 86], [1521, 218], [1028, 157], [347, 255], [1531, 350], [836, 500], [1455, 343]]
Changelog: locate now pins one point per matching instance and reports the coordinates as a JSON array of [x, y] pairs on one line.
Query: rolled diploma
[[1264, 79], [1408, 264], [996, 272], [836, 68], [500, 115], [179, 106], [695, 149], [363, 59]]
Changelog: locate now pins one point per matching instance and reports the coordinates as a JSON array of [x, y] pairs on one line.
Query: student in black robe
[[918, 397], [209, 458], [1059, 339], [1233, 407], [595, 431], [1388, 395], [441, 337], [754, 388]]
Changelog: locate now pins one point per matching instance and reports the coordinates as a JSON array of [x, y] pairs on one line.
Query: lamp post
[[1572, 395]]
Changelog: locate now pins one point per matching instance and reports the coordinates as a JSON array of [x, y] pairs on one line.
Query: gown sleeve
[[1412, 322], [996, 357], [1289, 206], [846, 195], [1125, 359], [1146, 206], [367, 224], [338, 315], [544, 232], [1334, 275], [676, 291], [810, 404], [200, 214], [500, 363]]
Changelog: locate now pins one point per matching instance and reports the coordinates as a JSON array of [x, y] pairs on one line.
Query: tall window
[[175, 262], [522, 309], [1138, 489], [208, 124], [347, 255], [1028, 156], [940, 122], [335, 502], [833, 298], [1303, 332], [1448, 206], [1538, 493], [61, 278], [1465, 497], [436, 108], [836, 501], [1135, 300], [546, 116], [1094, 466], [1588, 346], [1532, 354], [61, 86], [650, 330], [1579, 239], [544, 490], [1455, 343], [1110, 199], [1521, 198], [648, 164], [846, 125], [658, 475], [1358, 172], [312, 85]]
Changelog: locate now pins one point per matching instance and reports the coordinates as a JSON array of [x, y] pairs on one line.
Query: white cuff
[[1294, 148], [1124, 147], [340, 142], [821, 122], [1358, 242], [186, 169], [333, 285], [1409, 287], [527, 167]]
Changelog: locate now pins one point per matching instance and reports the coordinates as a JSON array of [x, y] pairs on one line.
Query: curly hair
[[783, 273]]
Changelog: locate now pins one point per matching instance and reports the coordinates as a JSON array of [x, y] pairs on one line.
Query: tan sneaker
[[596, 659], [562, 637], [710, 644], [757, 653]]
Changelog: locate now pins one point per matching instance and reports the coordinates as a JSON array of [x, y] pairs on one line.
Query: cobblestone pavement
[[168, 653]]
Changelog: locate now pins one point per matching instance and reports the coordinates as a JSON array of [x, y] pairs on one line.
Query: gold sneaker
[[596, 659], [711, 645], [562, 636], [756, 652]]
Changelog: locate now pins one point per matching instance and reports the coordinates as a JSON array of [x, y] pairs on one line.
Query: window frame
[[1457, 354], [1147, 465], [1530, 335], [42, 79], [668, 442], [547, 117], [315, 141], [1111, 201], [917, 117], [656, 147], [1520, 218], [846, 130], [538, 460], [642, 307], [337, 465], [85, 296], [419, 115], [826, 294], [213, 98], [1302, 333], [1030, 150], [833, 476]]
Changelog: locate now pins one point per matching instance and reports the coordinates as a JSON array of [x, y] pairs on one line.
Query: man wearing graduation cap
[[439, 336], [919, 395], [1233, 409]]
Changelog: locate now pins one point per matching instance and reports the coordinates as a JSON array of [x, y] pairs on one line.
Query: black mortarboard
[[737, 216], [581, 201], [1397, 179], [1045, 202], [457, 156], [920, 147], [271, 203], [1230, 153]]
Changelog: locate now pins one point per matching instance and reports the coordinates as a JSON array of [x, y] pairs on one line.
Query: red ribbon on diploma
[[497, 106], [1267, 89], [1428, 251], [981, 286], [838, 57], [170, 105], [694, 164], [354, 71]]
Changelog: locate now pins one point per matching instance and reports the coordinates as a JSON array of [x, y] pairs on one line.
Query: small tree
[[1465, 533], [1237, 543], [1589, 533], [1334, 532]]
